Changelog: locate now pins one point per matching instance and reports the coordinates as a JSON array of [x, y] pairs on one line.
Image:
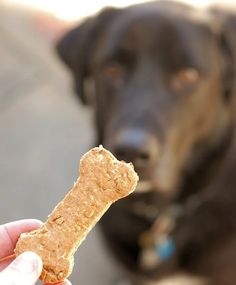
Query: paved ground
[[43, 132]]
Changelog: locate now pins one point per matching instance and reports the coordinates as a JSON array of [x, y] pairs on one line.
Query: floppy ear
[[226, 26], [76, 47]]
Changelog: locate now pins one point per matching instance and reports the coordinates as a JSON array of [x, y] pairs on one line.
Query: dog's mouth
[[161, 178], [144, 186]]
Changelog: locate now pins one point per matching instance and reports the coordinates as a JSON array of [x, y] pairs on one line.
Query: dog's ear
[[76, 47], [225, 25]]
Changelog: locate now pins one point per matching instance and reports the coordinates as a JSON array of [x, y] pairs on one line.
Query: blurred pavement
[[43, 133]]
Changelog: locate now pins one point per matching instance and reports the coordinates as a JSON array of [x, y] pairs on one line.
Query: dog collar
[[157, 245]]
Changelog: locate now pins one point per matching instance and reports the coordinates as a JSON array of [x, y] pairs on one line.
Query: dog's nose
[[136, 146]]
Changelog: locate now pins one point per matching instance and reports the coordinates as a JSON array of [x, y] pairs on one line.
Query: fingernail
[[28, 262], [66, 282]]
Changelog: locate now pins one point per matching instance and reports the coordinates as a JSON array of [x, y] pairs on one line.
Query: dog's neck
[[157, 244]]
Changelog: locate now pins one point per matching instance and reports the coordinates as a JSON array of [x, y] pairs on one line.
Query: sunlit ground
[[71, 10]]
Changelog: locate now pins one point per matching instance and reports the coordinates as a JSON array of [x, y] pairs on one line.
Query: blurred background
[[43, 129]]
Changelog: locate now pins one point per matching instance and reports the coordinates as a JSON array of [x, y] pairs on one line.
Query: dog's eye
[[185, 77], [113, 71]]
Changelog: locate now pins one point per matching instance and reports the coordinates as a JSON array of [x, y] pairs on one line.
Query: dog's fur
[[161, 77]]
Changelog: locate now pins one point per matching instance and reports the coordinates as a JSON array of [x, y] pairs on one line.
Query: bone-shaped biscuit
[[103, 180]]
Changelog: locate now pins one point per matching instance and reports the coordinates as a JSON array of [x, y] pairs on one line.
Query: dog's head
[[160, 78]]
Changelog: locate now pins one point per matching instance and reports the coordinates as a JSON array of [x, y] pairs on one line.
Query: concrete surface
[[43, 133]]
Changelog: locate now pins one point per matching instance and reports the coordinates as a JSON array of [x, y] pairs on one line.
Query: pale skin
[[27, 267]]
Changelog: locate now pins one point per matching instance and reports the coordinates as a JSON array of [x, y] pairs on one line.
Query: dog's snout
[[136, 146], [140, 157]]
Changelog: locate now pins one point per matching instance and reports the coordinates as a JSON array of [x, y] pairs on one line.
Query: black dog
[[161, 77]]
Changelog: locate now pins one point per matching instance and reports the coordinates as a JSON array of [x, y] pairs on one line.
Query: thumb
[[24, 270]]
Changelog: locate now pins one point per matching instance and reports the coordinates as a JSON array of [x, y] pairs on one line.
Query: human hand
[[26, 268]]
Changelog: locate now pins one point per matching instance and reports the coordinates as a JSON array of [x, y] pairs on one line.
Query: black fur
[[164, 75]]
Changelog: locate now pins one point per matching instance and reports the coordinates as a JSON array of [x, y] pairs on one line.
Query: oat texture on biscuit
[[103, 180]]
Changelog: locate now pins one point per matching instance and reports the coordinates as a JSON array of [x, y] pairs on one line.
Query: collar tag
[[165, 249]]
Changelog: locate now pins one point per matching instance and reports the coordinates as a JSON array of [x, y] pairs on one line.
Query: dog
[[161, 78]]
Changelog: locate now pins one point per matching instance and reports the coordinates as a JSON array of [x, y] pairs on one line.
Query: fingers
[[65, 282], [6, 261], [25, 269], [9, 234]]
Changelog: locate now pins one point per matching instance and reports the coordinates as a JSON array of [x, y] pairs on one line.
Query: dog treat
[[103, 180]]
